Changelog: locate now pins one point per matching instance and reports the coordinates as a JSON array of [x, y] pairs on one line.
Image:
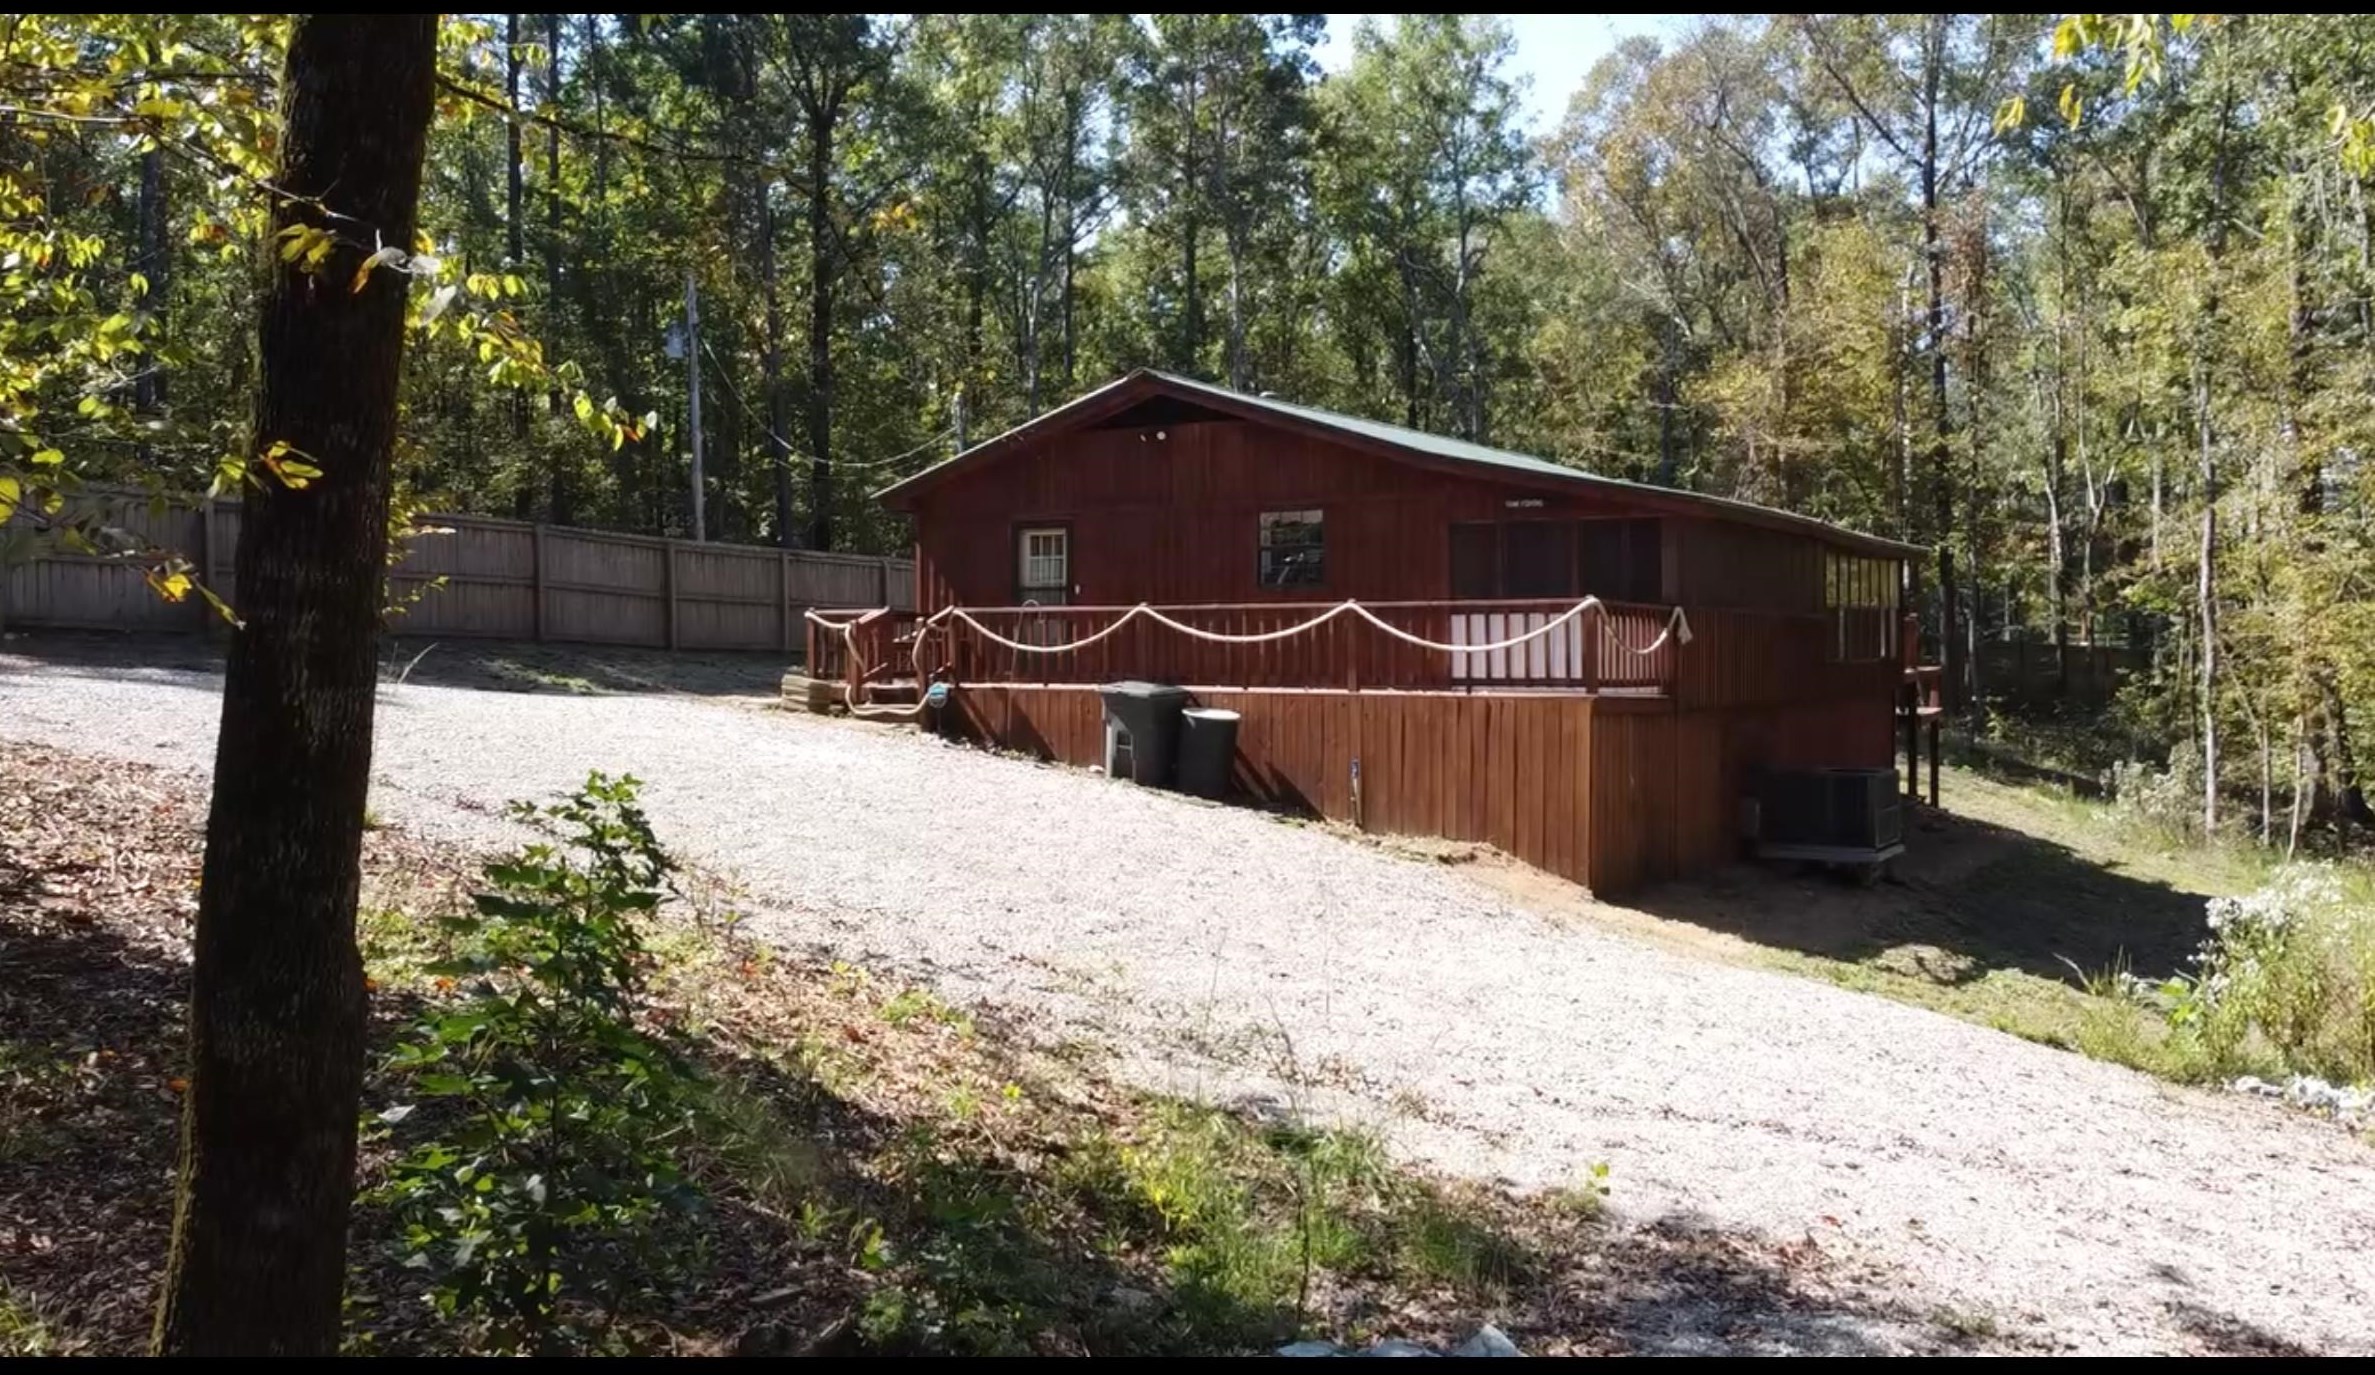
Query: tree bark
[[779, 453], [1941, 419], [155, 263], [564, 490], [515, 243], [276, 994], [822, 264]]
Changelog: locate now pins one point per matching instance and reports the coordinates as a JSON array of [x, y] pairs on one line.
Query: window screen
[[1538, 558], [1624, 560], [1476, 560], [1618, 560], [1645, 561], [1294, 549]]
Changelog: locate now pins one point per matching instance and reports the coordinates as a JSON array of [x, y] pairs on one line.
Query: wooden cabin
[[1613, 746]]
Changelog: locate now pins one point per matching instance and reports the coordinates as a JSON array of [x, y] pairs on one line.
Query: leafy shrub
[[540, 1201], [2167, 800], [2288, 972]]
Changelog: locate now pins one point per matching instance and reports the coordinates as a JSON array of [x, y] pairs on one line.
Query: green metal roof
[[1418, 443]]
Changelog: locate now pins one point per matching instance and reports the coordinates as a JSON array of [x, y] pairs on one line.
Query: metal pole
[[692, 357]]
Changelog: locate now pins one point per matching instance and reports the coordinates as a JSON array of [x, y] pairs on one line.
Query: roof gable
[[1393, 442]]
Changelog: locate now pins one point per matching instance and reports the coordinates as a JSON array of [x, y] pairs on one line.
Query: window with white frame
[[1293, 549], [1044, 565], [1862, 594]]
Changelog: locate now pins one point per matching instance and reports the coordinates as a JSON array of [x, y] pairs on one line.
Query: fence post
[[783, 594], [1592, 631], [536, 583], [205, 552], [668, 585], [882, 582]]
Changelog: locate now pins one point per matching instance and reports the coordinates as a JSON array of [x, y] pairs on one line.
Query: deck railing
[[1606, 648]]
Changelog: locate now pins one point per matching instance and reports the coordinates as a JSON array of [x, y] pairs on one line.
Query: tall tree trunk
[[1191, 326], [154, 263], [516, 246], [821, 267], [258, 1258], [1669, 389], [779, 453], [1941, 419], [1071, 258], [564, 488], [2206, 579]]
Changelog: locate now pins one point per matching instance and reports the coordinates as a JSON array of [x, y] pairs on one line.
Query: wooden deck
[[1611, 779], [1609, 791]]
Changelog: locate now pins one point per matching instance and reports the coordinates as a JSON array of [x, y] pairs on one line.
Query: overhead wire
[[789, 452]]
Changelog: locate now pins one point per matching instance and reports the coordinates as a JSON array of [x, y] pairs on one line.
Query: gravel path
[[1975, 1179]]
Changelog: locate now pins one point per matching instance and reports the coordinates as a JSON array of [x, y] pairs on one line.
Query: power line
[[790, 453]]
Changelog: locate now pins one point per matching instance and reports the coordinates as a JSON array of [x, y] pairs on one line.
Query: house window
[[1616, 560], [1294, 549], [1624, 560], [1538, 558], [1043, 571], [1862, 595]]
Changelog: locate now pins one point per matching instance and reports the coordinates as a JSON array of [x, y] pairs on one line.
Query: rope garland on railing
[[1677, 629]]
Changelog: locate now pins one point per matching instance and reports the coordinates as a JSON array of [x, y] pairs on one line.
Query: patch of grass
[[2095, 856], [23, 1330]]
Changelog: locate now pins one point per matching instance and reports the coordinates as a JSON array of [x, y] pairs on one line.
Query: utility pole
[[960, 409], [692, 365]]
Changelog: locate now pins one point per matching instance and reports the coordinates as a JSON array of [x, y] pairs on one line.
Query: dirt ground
[[1493, 1027]]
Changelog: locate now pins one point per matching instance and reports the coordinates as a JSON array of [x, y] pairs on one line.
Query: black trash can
[[1141, 730], [1207, 747]]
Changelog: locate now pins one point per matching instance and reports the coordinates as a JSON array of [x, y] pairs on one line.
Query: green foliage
[[541, 1173], [2288, 971]]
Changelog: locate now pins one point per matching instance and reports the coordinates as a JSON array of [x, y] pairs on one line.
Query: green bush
[[2288, 973], [539, 1201]]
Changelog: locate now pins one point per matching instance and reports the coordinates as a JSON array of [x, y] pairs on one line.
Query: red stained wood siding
[[1611, 790], [1176, 520]]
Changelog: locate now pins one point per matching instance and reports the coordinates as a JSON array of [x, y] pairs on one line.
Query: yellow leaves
[[380, 258], [290, 464], [2070, 36], [173, 584], [2071, 104], [2012, 113], [48, 458], [12, 491], [306, 245]]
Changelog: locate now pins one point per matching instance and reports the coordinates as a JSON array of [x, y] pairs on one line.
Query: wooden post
[[1933, 761], [1594, 627], [536, 583], [882, 566], [205, 551], [783, 592], [1909, 702], [668, 586]]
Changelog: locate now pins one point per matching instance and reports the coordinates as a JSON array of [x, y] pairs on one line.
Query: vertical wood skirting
[[668, 553], [783, 591], [536, 582]]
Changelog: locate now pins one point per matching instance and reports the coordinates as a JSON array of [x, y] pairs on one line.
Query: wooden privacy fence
[[479, 577]]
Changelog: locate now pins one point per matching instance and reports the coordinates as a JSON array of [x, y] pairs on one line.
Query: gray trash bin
[[1207, 747], [1141, 730]]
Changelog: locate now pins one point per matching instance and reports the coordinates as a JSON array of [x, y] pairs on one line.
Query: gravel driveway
[[2014, 1189]]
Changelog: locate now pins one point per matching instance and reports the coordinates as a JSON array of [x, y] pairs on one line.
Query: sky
[[1555, 50]]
